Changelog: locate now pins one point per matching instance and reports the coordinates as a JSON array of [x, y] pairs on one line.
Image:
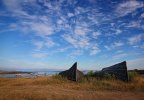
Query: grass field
[[58, 88]]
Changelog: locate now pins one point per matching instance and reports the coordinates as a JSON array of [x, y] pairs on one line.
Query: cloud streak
[[135, 39], [128, 7]]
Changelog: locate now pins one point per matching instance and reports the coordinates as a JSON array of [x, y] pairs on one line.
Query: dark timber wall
[[119, 70], [73, 73]]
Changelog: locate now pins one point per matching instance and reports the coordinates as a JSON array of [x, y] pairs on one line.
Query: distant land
[[13, 72]]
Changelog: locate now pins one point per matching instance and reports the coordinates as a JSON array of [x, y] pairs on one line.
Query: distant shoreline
[[14, 72]]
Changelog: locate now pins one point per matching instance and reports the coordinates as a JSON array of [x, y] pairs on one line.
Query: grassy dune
[[58, 88]]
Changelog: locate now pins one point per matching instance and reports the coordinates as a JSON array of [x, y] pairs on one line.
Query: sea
[[33, 74]]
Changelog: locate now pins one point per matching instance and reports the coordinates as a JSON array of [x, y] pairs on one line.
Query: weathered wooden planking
[[73, 73], [119, 70]]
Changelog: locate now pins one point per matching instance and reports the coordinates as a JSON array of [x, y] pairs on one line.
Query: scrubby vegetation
[[59, 88], [132, 75], [100, 75], [90, 73]]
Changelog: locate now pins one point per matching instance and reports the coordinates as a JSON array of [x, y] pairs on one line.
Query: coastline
[[14, 72]]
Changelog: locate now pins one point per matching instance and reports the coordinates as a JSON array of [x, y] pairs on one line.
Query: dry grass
[[58, 88]]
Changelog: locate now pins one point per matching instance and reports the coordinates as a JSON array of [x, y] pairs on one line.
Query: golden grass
[[58, 88]]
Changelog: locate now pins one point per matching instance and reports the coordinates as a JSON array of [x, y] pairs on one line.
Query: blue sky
[[53, 34]]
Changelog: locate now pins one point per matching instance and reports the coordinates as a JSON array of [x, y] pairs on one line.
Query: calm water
[[8, 75], [34, 74]]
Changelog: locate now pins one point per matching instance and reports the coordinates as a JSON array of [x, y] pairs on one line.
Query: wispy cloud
[[82, 43], [39, 55], [16, 9], [62, 49], [107, 47], [39, 44], [134, 24], [135, 39], [44, 43], [114, 45], [120, 56], [79, 30], [75, 53], [128, 7], [42, 29], [142, 15], [118, 44], [96, 34], [77, 41], [118, 31], [94, 50]]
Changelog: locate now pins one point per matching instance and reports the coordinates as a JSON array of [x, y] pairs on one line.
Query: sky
[[53, 34]]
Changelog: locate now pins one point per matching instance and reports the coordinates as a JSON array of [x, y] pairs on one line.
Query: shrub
[[90, 73], [132, 75], [108, 76], [103, 75]]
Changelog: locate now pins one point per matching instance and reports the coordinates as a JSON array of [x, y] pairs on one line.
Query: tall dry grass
[[59, 88]]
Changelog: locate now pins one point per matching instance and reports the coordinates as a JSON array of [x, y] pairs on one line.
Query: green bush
[[108, 76], [104, 75], [132, 75], [90, 73]]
